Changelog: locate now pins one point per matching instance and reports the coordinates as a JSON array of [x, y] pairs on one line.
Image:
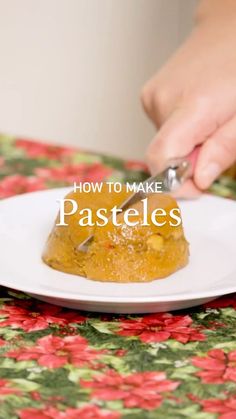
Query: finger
[[187, 191], [217, 154], [158, 100], [187, 127]]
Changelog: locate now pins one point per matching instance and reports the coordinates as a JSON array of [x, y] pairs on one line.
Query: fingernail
[[209, 174]]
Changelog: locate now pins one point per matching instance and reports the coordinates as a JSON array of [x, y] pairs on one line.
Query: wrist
[[215, 19], [215, 10]]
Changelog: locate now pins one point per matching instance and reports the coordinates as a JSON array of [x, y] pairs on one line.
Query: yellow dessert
[[123, 253]]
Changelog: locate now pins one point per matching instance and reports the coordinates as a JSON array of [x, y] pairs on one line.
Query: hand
[[192, 101]]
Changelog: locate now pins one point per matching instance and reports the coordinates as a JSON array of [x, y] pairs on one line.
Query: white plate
[[210, 227]]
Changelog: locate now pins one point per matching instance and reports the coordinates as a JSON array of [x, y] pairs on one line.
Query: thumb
[[216, 155], [182, 131]]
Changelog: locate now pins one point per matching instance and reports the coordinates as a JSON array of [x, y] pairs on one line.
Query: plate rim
[[124, 300], [210, 293]]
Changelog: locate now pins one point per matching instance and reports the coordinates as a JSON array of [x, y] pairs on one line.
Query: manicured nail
[[209, 174]]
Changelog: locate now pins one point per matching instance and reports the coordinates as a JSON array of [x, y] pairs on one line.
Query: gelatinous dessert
[[139, 252]]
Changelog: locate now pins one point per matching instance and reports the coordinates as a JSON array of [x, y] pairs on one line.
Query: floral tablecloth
[[63, 364]]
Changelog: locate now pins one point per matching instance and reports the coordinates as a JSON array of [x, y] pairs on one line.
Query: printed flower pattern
[[217, 367], [223, 302], [160, 327], [54, 352], [226, 407], [18, 184], [6, 388], [38, 317], [37, 149], [75, 173], [65, 364], [86, 412], [142, 390]]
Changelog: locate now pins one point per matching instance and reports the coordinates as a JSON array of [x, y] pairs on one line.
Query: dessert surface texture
[[119, 253]]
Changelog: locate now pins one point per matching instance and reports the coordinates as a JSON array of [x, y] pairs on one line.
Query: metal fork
[[171, 179]]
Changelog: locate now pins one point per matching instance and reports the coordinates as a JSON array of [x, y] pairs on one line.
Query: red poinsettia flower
[[35, 395], [141, 390], [54, 352], [136, 165], [226, 409], [37, 318], [85, 412], [160, 327], [6, 388], [37, 149], [223, 302], [2, 342], [82, 172], [120, 352], [217, 366], [18, 184], [214, 325], [97, 172]]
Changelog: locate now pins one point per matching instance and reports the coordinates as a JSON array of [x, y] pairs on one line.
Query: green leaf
[[174, 344], [114, 162], [229, 312], [7, 333], [114, 404], [194, 412], [104, 327], [19, 295], [25, 385], [228, 346], [184, 373], [137, 414], [6, 411], [6, 139], [19, 365], [75, 374], [85, 158], [116, 177], [115, 362]]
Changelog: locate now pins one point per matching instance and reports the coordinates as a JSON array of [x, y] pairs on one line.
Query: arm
[[192, 99]]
